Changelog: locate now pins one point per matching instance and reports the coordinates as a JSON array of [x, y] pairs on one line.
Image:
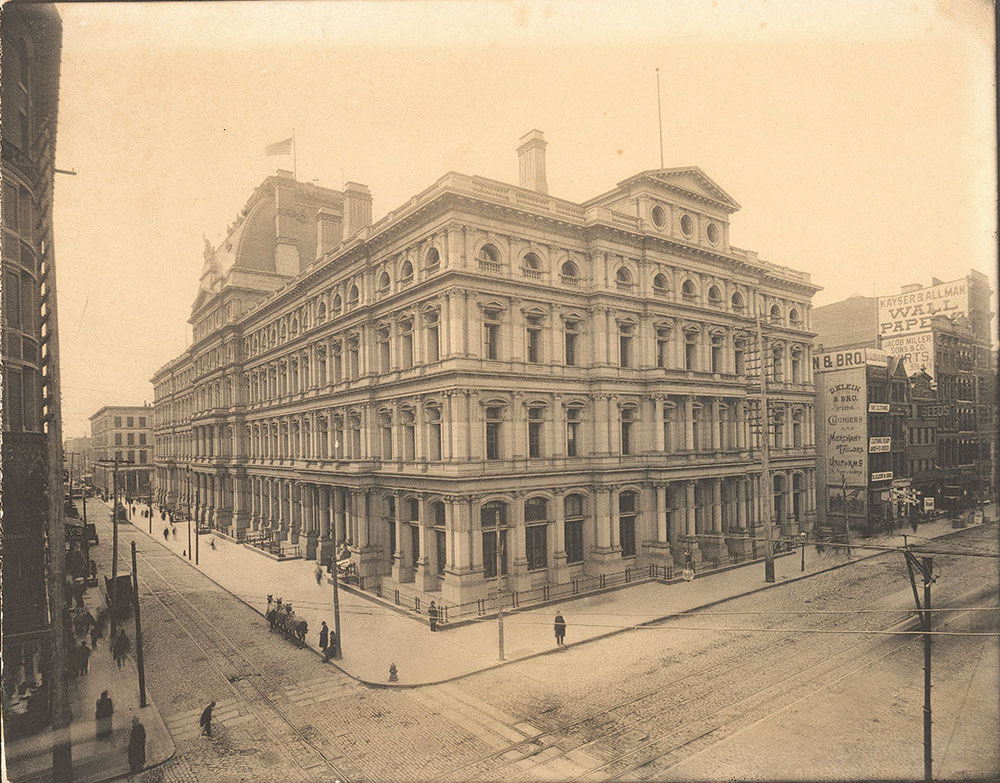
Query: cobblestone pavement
[[668, 701]]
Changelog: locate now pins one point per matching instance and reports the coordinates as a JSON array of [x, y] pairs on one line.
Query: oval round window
[[687, 225], [659, 216], [713, 233]]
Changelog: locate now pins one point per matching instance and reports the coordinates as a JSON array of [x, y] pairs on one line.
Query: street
[[660, 702]]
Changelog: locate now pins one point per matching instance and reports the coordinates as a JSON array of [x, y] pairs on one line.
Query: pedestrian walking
[[913, 522], [166, 534], [432, 613], [95, 634], [211, 543], [324, 639], [173, 530], [83, 658], [319, 574], [121, 648], [136, 746], [102, 714], [206, 720], [560, 628]]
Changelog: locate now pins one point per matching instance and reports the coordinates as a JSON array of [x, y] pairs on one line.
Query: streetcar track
[[248, 673]]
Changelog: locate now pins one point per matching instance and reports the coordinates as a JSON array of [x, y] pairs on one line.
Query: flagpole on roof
[[659, 112]]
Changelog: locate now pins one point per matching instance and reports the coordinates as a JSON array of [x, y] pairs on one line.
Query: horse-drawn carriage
[[280, 617]]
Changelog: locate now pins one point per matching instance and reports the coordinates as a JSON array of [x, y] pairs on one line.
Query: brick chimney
[[357, 208], [531, 159], [329, 230]]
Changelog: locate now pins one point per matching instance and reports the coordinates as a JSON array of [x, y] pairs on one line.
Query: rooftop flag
[[280, 147]]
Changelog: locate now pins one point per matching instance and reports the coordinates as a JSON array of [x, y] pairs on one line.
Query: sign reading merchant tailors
[[840, 360], [916, 349], [846, 429], [912, 312]]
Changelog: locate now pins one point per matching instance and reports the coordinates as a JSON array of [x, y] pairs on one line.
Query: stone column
[[295, 501], [402, 564], [559, 568], [716, 434], [689, 423], [309, 519], [660, 443]]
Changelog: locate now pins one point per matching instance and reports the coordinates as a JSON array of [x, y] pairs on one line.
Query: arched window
[[793, 317], [688, 291], [569, 273], [489, 258], [432, 260], [353, 297], [336, 307], [737, 302], [383, 282], [294, 330], [714, 295], [406, 272], [536, 514], [775, 314], [660, 286], [532, 266], [321, 313], [623, 279]]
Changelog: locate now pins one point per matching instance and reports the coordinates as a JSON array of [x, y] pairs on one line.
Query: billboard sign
[[913, 311], [883, 476], [879, 445], [928, 504], [878, 407], [917, 350], [842, 360], [847, 429]]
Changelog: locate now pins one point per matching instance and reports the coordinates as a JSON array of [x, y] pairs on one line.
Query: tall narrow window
[[625, 333], [409, 434], [739, 357], [385, 430], [536, 510], [691, 351], [697, 414], [488, 522], [796, 356], [353, 351], [491, 334], [406, 344], [573, 528], [777, 361], [534, 338], [572, 336], [535, 418], [626, 522], [717, 342], [494, 423], [431, 321], [434, 432], [384, 354], [574, 420], [662, 346], [628, 418]]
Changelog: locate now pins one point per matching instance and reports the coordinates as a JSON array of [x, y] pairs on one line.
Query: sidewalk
[[30, 758], [375, 636]]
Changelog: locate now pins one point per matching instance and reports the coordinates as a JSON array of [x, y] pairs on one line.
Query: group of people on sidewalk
[[328, 643]]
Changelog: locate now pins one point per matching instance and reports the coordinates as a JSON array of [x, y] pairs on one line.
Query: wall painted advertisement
[[846, 412], [916, 349], [912, 312]]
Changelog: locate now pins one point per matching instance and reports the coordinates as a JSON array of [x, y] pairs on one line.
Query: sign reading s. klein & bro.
[[844, 360], [912, 312]]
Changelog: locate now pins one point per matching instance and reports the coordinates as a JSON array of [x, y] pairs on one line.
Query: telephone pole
[[499, 552], [138, 632], [926, 568], [764, 435]]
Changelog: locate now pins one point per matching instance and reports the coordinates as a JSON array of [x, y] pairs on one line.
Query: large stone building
[[33, 539], [942, 331], [125, 433], [488, 352]]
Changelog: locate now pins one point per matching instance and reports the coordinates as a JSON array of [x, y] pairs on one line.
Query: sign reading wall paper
[[847, 429], [913, 311]]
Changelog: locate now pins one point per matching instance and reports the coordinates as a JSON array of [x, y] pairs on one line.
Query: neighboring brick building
[[943, 331], [123, 432], [484, 350]]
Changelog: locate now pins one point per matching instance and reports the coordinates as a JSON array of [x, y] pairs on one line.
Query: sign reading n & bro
[[912, 312], [844, 360]]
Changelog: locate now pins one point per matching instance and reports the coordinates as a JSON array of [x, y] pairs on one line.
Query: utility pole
[[138, 632], [196, 536], [338, 648], [847, 518], [114, 554], [764, 433], [926, 568], [499, 553]]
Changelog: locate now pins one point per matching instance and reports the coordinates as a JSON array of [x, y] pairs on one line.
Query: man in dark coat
[[105, 708], [206, 720], [324, 639], [560, 629], [137, 746], [432, 613]]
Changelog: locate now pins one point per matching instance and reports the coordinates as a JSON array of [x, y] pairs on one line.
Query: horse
[[295, 627], [273, 612]]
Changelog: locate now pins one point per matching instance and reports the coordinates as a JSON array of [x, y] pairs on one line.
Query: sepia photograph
[[499, 390]]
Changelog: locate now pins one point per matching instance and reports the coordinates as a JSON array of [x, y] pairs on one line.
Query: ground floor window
[[490, 553], [442, 552], [626, 523], [392, 538], [535, 546]]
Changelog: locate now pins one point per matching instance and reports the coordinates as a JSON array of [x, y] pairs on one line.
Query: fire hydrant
[[392, 673]]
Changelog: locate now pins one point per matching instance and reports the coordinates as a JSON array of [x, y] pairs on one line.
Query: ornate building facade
[[125, 433], [487, 353]]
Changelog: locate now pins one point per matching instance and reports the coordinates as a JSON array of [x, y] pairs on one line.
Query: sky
[[859, 137]]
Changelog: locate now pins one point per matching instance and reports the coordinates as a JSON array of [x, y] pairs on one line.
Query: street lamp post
[[802, 536]]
